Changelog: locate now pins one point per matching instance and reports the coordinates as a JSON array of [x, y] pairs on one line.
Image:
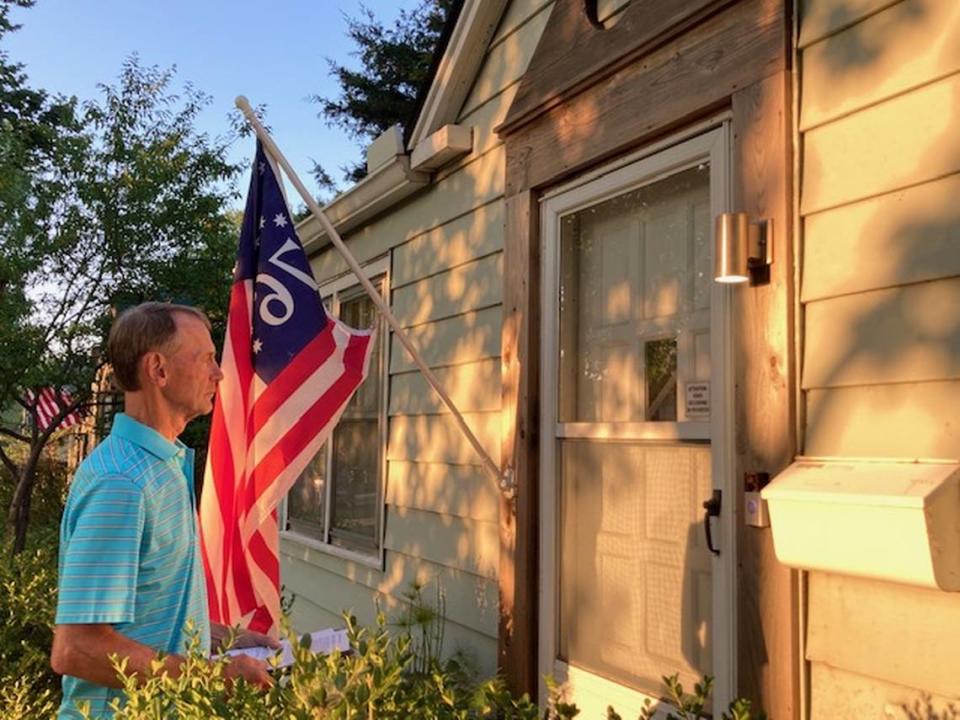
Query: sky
[[274, 53]]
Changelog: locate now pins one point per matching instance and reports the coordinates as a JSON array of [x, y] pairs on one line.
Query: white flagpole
[[384, 308]]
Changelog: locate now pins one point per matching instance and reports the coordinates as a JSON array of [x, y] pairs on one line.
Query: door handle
[[711, 509]]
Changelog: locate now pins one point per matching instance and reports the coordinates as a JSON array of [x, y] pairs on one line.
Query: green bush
[[377, 679], [692, 706], [28, 586]]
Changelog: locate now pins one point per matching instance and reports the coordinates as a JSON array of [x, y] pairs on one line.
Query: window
[[338, 499]]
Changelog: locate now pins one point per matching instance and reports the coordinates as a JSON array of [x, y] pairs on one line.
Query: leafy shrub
[[377, 679], [28, 586], [691, 707]]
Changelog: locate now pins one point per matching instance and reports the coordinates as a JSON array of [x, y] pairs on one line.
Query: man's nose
[[217, 373]]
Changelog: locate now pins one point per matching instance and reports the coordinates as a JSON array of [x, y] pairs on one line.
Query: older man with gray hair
[[131, 578]]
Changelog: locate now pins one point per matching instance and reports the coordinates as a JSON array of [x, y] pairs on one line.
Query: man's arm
[[84, 651]]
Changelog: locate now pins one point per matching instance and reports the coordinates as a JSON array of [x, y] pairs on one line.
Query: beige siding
[[461, 339], [466, 288], [466, 238], [476, 184], [904, 141], [901, 420], [825, 17], [508, 58], [468, 386], [518, 13], [884, 336], [471, 599], [880, 102], [839, 694], [463, 491], [436, 438], [441, 507], [876, 629], [902, 237], [468, 545], [909, 45]]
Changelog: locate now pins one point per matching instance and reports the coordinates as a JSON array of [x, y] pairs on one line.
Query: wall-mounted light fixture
[[742, 250]]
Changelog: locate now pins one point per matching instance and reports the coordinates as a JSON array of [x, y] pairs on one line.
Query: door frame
[[655, 163]]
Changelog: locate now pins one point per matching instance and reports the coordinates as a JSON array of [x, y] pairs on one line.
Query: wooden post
[[520, 355], [765, 403]]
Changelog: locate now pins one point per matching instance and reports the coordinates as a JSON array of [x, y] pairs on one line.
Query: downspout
[[800, 410]]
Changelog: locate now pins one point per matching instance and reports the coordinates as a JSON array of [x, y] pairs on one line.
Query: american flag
[[47, 407], [289, 371]]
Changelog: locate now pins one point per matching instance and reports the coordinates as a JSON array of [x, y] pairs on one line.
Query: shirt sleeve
[[100, 561]]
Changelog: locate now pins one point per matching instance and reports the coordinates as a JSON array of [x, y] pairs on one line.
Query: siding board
[[884, 336], [473, 286], [518, 12], [464, 338], [466, 238], [903, 47], [824, 17], [437, 438], [908, 236], [465, 491], [471, 600], [473, 387], [478, 183], [873, 628], [840, 694], [898, 143], [906, 420], [469, 545], [507, 61]]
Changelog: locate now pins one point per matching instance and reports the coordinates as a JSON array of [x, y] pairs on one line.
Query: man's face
[[192, 370]]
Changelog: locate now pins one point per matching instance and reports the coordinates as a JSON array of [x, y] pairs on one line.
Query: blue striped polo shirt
[[129, 555]]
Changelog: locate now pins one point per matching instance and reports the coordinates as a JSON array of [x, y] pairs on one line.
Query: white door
[[636, 433]]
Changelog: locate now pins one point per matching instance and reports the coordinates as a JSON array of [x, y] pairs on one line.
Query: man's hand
[[251, 670], [220, 634]]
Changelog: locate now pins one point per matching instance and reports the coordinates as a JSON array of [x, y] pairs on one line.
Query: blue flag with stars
[[287, 310]]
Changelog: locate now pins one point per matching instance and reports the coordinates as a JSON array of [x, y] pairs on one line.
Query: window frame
[[347, 284]]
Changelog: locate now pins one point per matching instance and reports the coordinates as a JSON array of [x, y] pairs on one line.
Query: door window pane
[[635, 588], [634, 301]]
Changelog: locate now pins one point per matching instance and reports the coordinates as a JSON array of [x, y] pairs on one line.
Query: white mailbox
[[897, 521]]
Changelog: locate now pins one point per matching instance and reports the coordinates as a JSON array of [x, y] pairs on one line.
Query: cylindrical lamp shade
[[730, 248]]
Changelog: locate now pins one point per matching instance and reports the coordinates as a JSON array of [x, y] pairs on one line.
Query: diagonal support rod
[[382, 306]]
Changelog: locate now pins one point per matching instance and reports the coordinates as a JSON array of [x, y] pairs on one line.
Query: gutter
[[383, 188]]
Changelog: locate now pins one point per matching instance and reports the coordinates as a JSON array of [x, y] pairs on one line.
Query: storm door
[[634, 435]]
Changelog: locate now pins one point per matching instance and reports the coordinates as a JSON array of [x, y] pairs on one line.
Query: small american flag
[[47, 407], [289, 371]]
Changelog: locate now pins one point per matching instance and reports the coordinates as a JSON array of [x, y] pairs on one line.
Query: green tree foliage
[[128, 204], [394, 63]]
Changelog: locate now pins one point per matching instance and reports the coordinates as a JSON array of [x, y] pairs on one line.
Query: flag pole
[[382, 306]]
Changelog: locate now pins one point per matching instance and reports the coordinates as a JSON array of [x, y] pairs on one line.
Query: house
[[546, 230]]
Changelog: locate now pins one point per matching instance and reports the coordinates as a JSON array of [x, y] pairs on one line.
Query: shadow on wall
[[882, 334], [926, 709]]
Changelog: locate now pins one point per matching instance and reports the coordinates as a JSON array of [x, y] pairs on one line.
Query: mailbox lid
[[888, 520], [861, 482]]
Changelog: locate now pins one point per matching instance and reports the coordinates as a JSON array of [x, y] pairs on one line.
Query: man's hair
[[139, 330]]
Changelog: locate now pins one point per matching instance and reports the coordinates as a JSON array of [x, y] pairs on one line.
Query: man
[[131, 577]]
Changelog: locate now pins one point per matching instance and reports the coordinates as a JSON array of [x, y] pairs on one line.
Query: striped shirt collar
[[147, 438]]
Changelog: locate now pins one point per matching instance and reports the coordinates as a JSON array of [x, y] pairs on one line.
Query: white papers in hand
[[321, 641]]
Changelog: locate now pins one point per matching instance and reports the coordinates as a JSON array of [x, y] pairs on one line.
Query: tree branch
[[8, 463], [15, 435]]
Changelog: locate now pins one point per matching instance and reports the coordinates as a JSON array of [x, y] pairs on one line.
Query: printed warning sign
[[698, 400]]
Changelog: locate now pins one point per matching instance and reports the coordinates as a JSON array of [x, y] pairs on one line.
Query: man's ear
[[154, 369]]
